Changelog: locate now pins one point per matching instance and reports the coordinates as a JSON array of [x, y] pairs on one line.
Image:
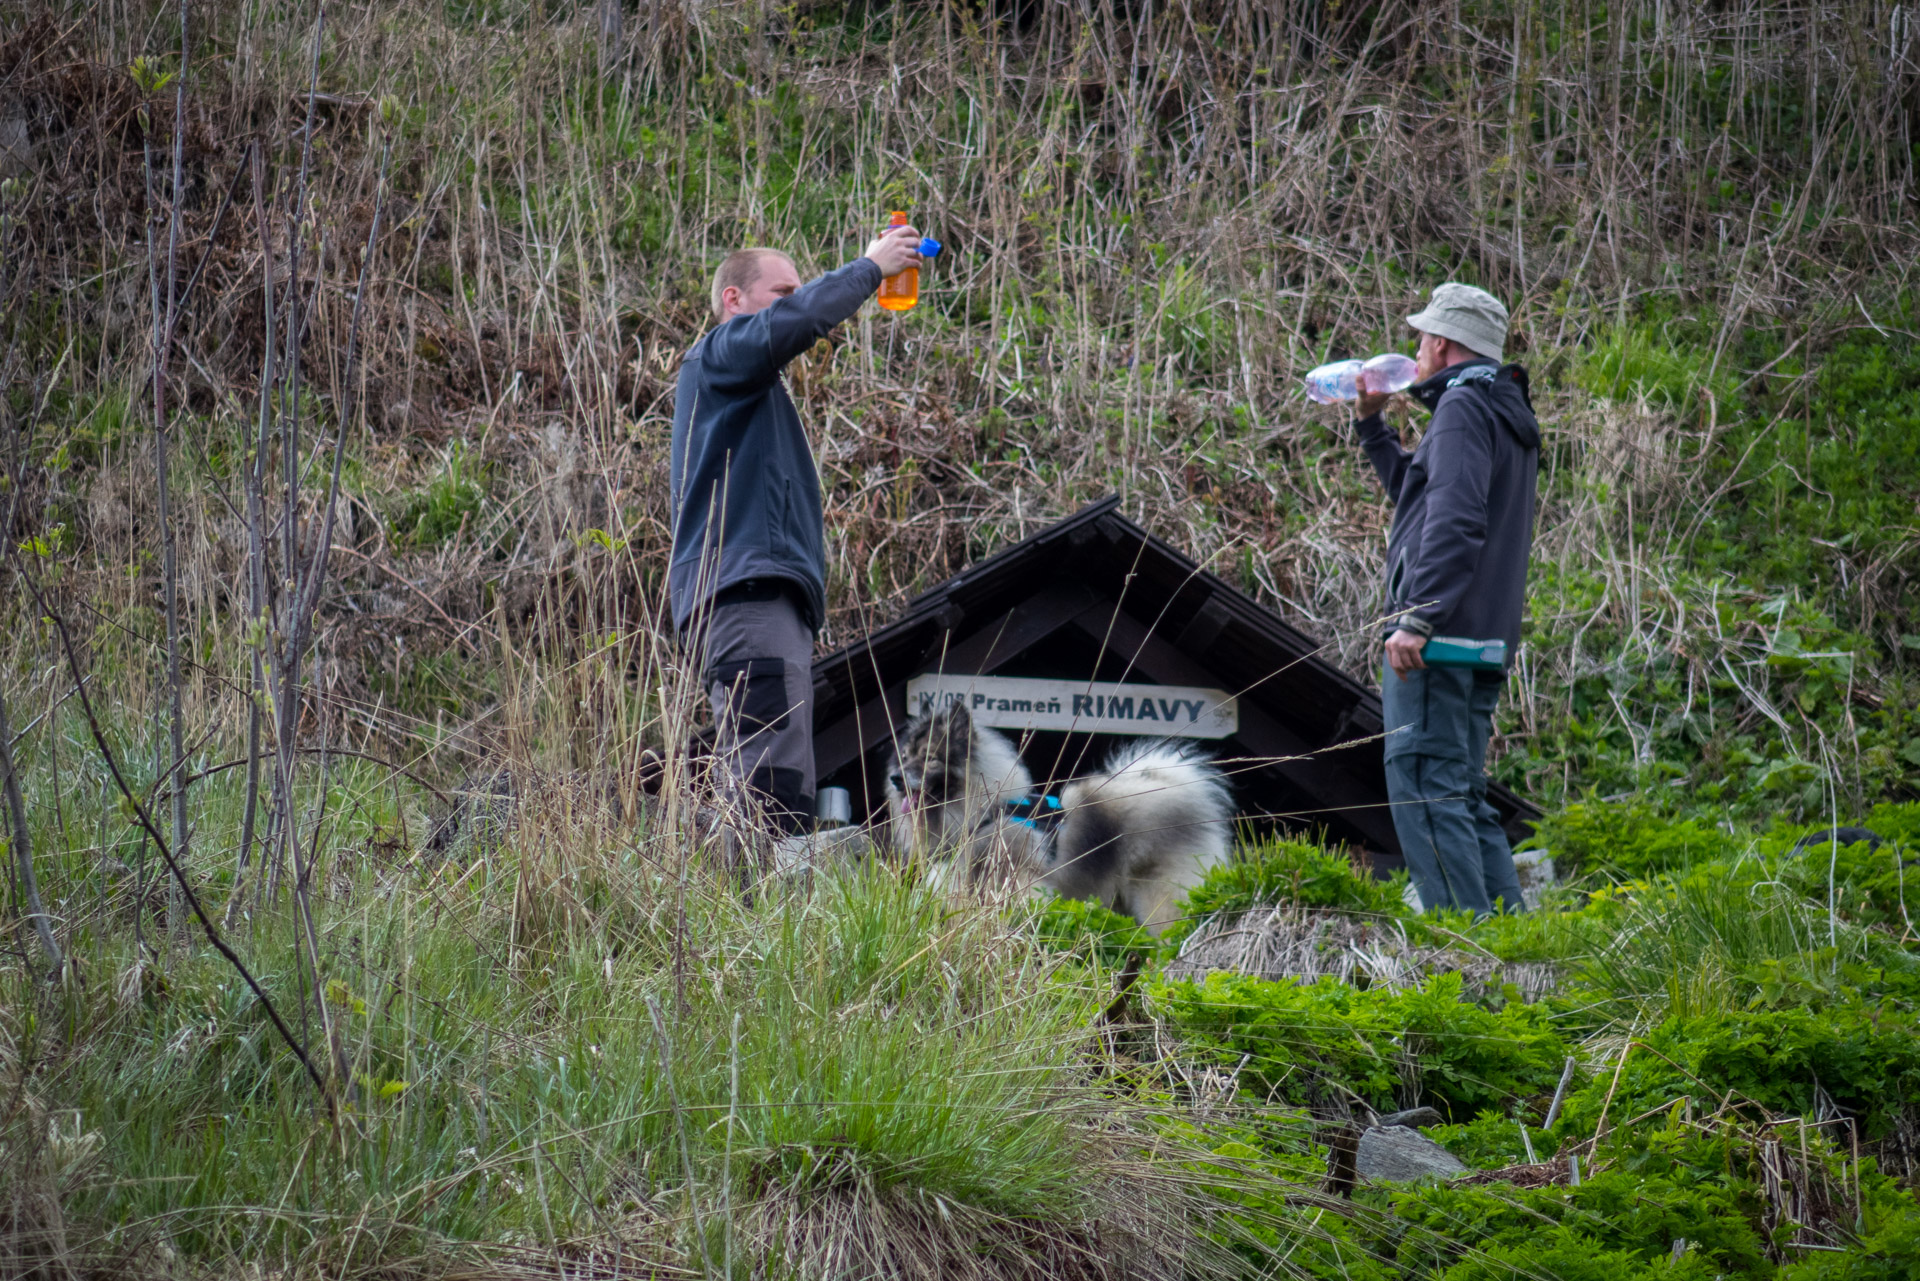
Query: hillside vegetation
[[391, 520]]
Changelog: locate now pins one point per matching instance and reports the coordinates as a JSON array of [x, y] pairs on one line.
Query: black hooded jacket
[[1463, 518], [746, 495]]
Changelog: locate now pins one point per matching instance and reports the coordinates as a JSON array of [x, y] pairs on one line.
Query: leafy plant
[[1637, 360], [1629, 839], [1862, 1056], [1286, 871], [1712, 941], [443, 507], [1492, 1140], [1390, 1047], [1076, 925], [1578, 1234]]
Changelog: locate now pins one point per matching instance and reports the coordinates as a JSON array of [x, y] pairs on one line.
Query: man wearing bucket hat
[[1456, 568]]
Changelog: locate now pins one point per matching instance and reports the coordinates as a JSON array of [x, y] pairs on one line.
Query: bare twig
[[255, 480], [23, 851], [315, 573], [72, 655], [287, 664], [164, 318]]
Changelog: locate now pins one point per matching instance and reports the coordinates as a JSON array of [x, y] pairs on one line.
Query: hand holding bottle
[[1368, 402], [895, 249], [1370, 381]]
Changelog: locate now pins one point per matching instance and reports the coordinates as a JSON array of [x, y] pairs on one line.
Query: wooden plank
[[1291, 755], [1204, 628]]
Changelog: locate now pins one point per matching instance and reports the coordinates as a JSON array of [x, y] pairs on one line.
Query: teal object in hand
[[1457, 651]]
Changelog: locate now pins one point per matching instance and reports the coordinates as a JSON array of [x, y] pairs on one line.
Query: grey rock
[[822, 850], [1413, 1118], [1395, 1154], [1535, 872]]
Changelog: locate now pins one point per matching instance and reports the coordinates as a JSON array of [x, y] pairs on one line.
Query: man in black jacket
[[1456, 567], [748, 572]]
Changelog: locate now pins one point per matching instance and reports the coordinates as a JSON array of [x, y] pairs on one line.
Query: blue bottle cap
[[929, 247]]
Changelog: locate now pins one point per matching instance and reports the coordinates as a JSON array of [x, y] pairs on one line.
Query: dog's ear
[[959, 728]]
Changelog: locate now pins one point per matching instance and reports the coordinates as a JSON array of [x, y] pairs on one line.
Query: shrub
[[1265, 1173], [1865, 1056], [1492, 1140], [1889, 1246], [1566, 1255], [1876, 886], [1712, 941], [1626, 1218], [1279, 871], [444, 506], [1638, 360], [1898, 823], [1380, 1043], [1627, 840], [1076, 925]]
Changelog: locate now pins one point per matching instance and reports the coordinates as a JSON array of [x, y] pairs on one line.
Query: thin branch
[[316, 572], [408, 774], [164, 316], [72, 654], [255, 479], [23, 853], [213, 232], [17, 810], [288, 660]]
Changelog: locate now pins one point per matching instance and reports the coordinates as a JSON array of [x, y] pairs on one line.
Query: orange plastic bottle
[[899, 292]]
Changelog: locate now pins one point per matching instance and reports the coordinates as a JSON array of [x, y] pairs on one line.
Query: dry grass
[[557, 200], [1288, 943]]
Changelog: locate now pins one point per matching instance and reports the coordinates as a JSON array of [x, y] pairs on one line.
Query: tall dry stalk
[[253, 480], [165, 314]]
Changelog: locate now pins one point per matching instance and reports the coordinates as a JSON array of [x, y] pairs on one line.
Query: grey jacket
[[746, 495], [1463, 518]]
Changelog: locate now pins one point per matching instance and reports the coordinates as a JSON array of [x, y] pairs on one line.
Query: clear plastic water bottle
[[1341, 380]]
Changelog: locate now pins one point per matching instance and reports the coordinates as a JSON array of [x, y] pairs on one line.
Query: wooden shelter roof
[[1095, 596]]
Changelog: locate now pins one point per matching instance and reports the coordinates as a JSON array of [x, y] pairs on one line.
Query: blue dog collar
[[1042, 813]]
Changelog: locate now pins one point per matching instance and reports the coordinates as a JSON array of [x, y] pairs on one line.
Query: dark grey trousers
[[757, 665], [1438, 721]]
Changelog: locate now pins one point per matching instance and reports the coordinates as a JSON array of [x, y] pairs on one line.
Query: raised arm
[[748, 352], [1385, 451]]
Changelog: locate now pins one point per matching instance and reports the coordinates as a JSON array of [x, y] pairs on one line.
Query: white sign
[[1087, 707]]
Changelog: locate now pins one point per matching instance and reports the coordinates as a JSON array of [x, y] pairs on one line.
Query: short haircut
[[739, 271]]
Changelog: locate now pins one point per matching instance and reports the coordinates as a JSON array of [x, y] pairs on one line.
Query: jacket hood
[[1509, 394]]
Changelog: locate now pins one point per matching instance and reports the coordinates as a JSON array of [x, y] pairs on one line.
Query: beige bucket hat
[[1471, 317]]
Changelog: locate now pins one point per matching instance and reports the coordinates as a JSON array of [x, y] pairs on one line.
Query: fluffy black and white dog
[[1134, 835]]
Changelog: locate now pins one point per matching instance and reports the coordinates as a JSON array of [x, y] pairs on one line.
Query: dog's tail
[[1180, 773], [1144, 829]]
